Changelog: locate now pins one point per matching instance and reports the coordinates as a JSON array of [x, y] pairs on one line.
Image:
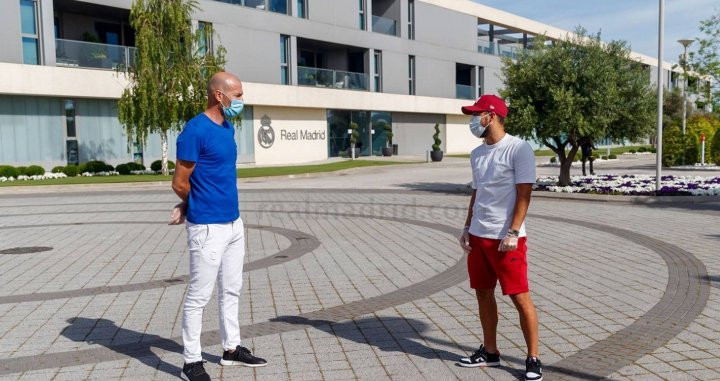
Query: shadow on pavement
[[137, 344], [405, 332], [443, 188]]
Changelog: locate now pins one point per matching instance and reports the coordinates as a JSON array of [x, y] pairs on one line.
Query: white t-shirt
[[496, 169]]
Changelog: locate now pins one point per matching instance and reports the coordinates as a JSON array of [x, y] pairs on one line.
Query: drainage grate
[[26, 250]]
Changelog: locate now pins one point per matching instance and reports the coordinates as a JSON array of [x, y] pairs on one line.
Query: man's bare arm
[[181, 179]]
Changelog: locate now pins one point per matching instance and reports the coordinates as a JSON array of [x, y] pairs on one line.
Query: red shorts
[[487, 265]]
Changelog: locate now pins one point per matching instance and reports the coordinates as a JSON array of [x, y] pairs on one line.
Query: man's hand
[[177, 216], [465, 240], [509, 243]]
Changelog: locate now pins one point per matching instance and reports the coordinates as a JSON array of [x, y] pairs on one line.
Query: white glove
[[509, 243], [177, 216], [465, 240]]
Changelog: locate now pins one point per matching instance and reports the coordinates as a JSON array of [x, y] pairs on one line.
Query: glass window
[[30, 51], [361, 5], [70, 118], [27, 17], [29, 29], [257, 4], [411, 75], [279, 6], [378, 71], [284, 54], [411, 19], [206, 37], [302, 9]]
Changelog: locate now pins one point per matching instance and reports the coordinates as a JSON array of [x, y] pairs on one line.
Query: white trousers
[[217, 252]]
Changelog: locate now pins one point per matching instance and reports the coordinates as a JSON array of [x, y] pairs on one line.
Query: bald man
[[206, 181]]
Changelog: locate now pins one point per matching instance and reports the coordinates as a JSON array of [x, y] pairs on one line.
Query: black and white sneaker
[[533, 369], [195, 371], [481, 357], [241, 356]]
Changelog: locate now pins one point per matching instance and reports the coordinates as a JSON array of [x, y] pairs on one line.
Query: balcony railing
[[92, 55], [384, 25], [496, 49], [311, 76], [464, 92]]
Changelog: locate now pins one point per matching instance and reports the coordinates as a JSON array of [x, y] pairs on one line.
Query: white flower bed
[[634, 185], [106, 173], [47, 175]]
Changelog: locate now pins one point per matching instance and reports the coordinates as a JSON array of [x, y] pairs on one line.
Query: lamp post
[[683, 63], [661, 37]]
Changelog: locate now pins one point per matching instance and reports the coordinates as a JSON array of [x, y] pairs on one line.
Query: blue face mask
[[476, 126], [235, 108]]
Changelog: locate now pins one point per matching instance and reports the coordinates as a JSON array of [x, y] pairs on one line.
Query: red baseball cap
[[491, 103]]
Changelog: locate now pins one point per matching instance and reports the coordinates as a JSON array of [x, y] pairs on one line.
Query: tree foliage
[[170, 71], [577, 90], [706, 60]]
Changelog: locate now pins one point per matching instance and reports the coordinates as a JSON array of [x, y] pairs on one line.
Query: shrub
[[123, 169], [34, 170], [653, 150], [135, 166], [714, 156], [612, 156], [642, 149], [21, 171], [604, 157], [95, 166], [58, 169], [157, 165], [71, 170], [436, 138], [82, 168], [8, 171], [552, 159], [632, 151], [109, 168]]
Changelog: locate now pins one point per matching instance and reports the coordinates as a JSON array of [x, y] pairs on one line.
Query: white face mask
[[476, 126]]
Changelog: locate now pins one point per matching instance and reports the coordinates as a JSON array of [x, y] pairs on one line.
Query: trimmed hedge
[[8, 171], [58, 169], [157, 165], [34, 170], [71, 170], [612, 156]]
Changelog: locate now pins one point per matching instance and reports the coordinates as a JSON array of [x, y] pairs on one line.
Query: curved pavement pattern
[[685, 298]]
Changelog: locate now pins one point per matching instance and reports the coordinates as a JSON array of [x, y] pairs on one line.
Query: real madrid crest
[[266, 135]]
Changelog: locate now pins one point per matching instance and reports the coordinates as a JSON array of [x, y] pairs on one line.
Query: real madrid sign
[[266, 134]]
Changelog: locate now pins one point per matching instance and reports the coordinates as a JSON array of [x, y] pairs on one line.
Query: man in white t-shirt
[[494, 236]]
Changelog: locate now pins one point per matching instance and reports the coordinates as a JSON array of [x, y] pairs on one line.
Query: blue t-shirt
[[213, 184]]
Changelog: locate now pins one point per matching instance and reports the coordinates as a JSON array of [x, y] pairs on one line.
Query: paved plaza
[[355, 275]]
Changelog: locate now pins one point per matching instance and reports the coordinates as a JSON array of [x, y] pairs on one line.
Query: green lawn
[[241, 173], [600, 151]]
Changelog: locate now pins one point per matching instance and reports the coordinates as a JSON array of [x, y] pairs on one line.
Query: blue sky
[[635, 21]]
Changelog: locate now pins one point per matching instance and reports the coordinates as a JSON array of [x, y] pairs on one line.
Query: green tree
[[170, 72], [577, 90], [715, 148], [706, 60]]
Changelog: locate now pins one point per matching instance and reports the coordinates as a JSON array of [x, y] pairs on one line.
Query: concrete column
[[46, 22], [476, 81], [368, 15]]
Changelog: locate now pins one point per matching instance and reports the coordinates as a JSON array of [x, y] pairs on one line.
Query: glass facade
[[368, 143]]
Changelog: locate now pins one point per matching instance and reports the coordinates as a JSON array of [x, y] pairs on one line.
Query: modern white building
[[309, 67]]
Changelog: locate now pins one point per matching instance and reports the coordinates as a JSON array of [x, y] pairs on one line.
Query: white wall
[[286, 149], [414, 132], [459, 139]]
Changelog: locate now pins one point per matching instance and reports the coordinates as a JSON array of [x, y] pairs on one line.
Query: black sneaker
[[195, 371], [481, 357], [242, 356], [533, 369]]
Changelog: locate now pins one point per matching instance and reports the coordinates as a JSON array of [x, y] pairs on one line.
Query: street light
[[683, 63], [661, 37]]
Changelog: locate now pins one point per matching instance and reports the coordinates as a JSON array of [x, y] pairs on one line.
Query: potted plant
[[436, 154], [387, 150], [354, 135]]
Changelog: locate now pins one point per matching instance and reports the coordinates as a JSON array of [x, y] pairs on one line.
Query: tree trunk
[[564, 179], [164, 145], [352, 151]]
